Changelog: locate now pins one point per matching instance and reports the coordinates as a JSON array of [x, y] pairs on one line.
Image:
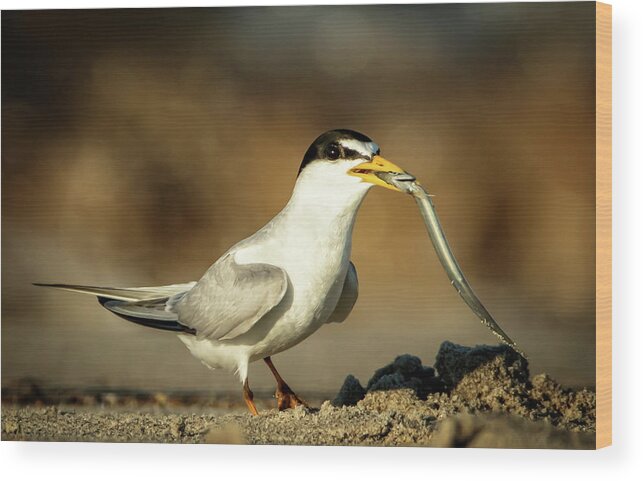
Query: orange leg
[[286, 398], [247, 397]]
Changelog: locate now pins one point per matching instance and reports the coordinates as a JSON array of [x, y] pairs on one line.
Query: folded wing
[[230, 298]]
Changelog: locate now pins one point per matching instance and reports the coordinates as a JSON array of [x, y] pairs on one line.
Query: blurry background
[[138, 145]]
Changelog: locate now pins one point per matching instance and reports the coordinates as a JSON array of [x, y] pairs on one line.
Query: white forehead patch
[[364, 148]]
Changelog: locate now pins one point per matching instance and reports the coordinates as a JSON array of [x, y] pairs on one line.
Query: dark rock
[[405, 372], [394, 381], [350, 393], [496, 363]]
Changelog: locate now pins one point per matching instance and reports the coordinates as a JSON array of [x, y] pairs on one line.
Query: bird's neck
[[312, 233], [322, 212]]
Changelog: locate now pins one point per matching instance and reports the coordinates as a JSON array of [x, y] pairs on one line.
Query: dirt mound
[[475, 396]]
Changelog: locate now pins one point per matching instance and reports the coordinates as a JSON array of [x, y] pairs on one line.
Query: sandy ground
[[472, 397]]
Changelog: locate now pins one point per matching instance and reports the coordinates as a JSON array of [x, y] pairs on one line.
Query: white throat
[[312, 233], [325, 202]]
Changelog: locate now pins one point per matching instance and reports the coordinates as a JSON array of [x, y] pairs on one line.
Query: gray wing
[[348, 297], [230, 298]]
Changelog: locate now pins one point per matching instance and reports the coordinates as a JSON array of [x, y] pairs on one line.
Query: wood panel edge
[[603, 225]]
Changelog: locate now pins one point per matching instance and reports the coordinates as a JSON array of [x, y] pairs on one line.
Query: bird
[[273, 289]]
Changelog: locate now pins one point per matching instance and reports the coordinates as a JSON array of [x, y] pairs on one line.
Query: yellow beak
[[368, 171]]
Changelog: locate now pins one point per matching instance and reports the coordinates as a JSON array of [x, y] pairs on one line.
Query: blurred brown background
[[138, 145]]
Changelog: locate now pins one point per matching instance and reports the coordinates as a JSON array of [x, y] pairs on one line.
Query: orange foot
[[287, 399]]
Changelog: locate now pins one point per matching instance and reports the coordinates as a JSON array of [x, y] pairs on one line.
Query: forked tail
[[146, 306]]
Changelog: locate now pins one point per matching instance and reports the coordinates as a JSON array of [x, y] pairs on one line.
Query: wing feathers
[[129, 294], [148, 314], [231, 298], [348, 297]]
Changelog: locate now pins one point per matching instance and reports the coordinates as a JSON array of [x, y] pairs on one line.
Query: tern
[[272, 290]]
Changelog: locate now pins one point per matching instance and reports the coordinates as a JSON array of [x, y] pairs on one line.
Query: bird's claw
[[287, 399]]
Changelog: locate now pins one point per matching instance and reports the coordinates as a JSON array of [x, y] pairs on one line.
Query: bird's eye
[[332, 152]]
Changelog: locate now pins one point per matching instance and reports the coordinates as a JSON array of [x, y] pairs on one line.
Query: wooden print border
[[603, 225]]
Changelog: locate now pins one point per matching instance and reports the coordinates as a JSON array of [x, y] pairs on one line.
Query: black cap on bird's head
[[327, 145], [356, 151]]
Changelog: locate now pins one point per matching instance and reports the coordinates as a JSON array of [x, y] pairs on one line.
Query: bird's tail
[[129, 294], [141, 305]]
